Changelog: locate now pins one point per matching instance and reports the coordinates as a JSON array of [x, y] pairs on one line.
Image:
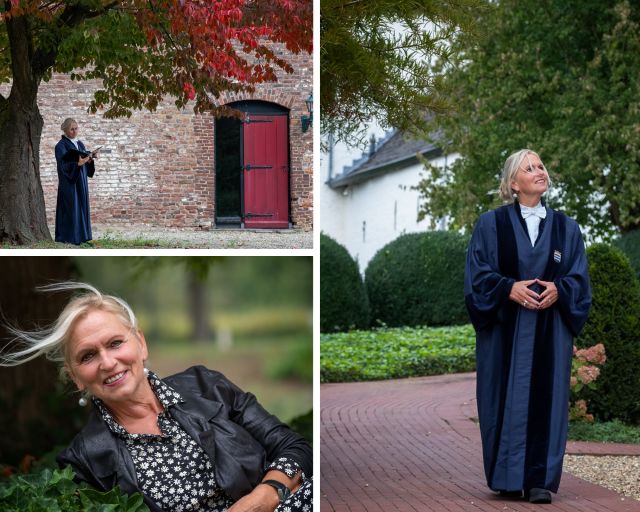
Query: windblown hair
[[52, 341], [66, 124], [510, 171]]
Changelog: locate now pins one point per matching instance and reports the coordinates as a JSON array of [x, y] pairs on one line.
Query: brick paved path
[[409, 445]]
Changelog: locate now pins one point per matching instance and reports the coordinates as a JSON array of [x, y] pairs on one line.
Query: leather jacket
[[239, 436]]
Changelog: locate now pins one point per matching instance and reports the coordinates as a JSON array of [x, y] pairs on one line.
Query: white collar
[[531, 208]]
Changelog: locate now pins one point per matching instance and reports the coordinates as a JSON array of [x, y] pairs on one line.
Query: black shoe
[[537, 495], [511, 494], [85, 244]]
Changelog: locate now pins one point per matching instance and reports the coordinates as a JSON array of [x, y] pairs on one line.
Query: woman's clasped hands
[[521, 294]]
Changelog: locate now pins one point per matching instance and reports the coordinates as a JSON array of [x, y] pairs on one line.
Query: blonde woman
[[190, 441], [73, 215], [528, 295]]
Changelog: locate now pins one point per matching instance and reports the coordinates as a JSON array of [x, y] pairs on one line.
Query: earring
[[515, 196], [82, 401], [146, 372]]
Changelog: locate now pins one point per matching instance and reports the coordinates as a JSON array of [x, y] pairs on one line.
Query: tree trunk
[[23, 218], [36, 413], [614, 216], [201, 330]]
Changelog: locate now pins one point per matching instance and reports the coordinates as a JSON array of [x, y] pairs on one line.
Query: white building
[[369, 203]]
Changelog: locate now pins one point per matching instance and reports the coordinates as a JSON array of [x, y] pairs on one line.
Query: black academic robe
[[73, 218], [524, 356]]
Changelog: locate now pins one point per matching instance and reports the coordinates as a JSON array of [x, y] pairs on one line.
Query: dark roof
[[396, 152]]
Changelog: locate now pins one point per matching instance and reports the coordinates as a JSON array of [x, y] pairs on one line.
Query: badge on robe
[[557, 256]]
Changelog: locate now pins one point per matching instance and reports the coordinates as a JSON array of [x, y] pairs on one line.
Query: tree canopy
[[560, 77], [375, 62], [143, 50]]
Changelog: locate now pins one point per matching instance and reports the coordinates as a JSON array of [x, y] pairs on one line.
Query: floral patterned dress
[[177, 474]]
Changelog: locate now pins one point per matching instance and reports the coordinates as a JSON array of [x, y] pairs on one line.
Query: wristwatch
[[283, 490]]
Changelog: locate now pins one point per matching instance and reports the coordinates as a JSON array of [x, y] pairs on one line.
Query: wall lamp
[[308, 120]]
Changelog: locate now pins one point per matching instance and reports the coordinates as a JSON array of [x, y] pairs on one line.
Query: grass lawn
[[111, 242], [253, 364], [604, 432], [396, 353]]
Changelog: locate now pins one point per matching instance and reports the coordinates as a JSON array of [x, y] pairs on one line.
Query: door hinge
[[249, 167], [249, 215], [248, 120]]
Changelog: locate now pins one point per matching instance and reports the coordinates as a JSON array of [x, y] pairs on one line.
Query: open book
[[73, 155]]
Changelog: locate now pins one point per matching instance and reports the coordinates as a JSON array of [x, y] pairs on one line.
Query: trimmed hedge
[[396, 353], [343, 300], [614, 321], [418, 279], [629, 244]]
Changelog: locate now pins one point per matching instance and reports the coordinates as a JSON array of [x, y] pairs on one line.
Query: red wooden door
[[266, 172]]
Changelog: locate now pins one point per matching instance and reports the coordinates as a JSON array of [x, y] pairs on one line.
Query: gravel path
[[620, 474], [231, 239]]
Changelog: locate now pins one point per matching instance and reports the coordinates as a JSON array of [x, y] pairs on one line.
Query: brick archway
[[270, 94]]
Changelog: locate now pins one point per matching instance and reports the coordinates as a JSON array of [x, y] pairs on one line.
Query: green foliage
[[297, 363], [303, 425], [604, 432], [57, 492], [559, 77], [418, 279], [343, 300], [629, 244], [614, 321], [369, 70], [388, 353]]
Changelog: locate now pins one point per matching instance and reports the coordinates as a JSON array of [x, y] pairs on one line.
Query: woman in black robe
[[73, 218], [528, 295]]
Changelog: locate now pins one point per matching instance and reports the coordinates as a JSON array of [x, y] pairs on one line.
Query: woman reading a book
[[73, 220]]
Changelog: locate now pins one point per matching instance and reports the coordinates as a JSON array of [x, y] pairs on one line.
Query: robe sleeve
[[89, 166], [485, 290], [574, 289], [71, 170]]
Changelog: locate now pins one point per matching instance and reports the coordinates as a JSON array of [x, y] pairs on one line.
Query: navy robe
[[73, 219], [524, 356]]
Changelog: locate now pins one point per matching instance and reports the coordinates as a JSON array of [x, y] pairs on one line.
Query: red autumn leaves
[[226, 45]]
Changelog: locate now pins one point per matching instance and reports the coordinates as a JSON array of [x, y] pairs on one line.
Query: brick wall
[[158, 168]]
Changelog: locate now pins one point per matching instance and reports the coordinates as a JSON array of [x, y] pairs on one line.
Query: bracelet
[[283, 490]]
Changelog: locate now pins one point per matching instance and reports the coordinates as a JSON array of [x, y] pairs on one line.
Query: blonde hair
[[66, 124], [52, 341], [511, 169]]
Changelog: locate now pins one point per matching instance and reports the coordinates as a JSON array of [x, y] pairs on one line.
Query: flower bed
[[396, 353]]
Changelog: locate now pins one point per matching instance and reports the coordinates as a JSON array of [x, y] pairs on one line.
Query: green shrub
[[418, 279], [55, 492], [396, 353], [343, 300], [303, 425], [608, 432], [614, 321], [629, 244]]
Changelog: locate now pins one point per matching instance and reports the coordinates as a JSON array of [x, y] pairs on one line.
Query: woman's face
[[106, 358], [72, 132], [531, 183]]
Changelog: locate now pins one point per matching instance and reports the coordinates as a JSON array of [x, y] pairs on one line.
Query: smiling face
[[72, 131], [104, 357], [530, 184]]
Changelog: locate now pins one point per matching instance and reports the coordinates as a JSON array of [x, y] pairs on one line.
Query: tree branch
[[71, 17]]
